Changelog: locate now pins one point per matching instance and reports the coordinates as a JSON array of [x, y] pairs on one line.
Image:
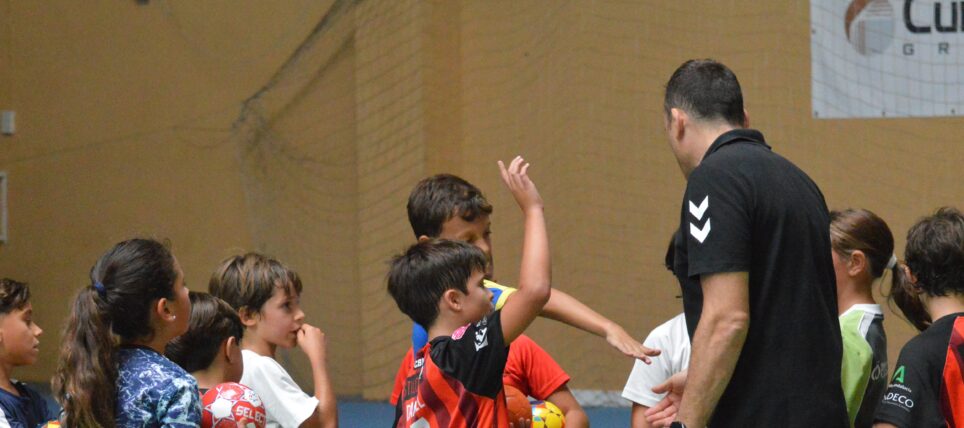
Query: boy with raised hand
[[447, 206], [19, 406], [456, 380]]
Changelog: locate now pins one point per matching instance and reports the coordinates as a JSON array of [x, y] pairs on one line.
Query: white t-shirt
[[285, 403], [673, 340]]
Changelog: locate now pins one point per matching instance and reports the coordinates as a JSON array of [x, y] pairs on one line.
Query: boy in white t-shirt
[[672, 338], [266, 294]]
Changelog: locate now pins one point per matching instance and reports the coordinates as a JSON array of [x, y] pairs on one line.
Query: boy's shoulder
[[261, 366], [28, 406], [474, 355]]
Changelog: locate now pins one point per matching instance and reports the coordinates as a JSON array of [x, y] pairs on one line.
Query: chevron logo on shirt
[[697, 211]]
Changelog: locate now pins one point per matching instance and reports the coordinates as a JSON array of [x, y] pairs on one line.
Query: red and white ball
[[232, 405]]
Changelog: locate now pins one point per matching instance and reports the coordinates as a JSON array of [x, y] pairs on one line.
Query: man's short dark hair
[[212, 322], [14, 295], [935, 252], [706, 90], [438, 198], [418, 278]]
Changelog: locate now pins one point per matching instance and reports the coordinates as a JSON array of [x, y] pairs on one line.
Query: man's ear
[[678, 119], [746, 119], [248, 317], [423, 238], [857, 263]]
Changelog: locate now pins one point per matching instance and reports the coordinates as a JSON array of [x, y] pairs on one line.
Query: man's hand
[[623, 342], [664, 412]]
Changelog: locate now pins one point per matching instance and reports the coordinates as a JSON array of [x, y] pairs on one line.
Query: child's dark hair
[[935, 256], [212, 322], [249, 280], [860, 229], [14, 295], [124, 285], [418, 278], [438, 198]]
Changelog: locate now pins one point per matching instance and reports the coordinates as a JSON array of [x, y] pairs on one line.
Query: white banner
[[887, 58]]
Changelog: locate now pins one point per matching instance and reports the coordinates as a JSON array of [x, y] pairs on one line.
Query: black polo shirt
[[747, 209]]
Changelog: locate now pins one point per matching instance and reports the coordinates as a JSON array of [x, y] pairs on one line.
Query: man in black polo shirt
[[753, 259]]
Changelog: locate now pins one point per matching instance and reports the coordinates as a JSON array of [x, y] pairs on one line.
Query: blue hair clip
[[101, 291]]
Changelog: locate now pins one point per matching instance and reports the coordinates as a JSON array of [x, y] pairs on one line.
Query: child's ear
[[248, 317], [163, 312], [423, 238], [453, 299], [229, 344], [857, 263]]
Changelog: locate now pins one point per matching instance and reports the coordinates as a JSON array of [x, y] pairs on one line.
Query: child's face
[[19, 337], [280, 319], [478, 233], [478, 300], [181, 304]]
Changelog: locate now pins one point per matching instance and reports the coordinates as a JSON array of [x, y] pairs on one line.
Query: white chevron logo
[[700, 210], [700, 234]]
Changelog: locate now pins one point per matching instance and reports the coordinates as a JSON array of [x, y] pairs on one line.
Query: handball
[[517, 404], [232, 405], [547, 415]]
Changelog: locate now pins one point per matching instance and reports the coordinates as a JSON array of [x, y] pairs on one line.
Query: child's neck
[[940, 306], [209, 378], [258, 346], [5, 382], [445, 325], [849, 295]]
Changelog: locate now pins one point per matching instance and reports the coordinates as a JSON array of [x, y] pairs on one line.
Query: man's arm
[[575, 416], [717, 344], [567, 309]]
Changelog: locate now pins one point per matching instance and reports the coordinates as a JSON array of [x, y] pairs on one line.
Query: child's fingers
[[662, 388], [524, 169]]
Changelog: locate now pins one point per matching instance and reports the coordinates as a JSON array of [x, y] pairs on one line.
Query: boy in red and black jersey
[[927, 388], [456, 380]]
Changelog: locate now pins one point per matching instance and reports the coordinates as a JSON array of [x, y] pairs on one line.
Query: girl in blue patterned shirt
[[136, 295]]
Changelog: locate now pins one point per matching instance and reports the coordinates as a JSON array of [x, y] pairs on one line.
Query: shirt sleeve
[[907, 392], [407, 362], [639, 385], [499, 293], [284, 401], [716, 221], [180, 405], [532, 370], [475, 355]]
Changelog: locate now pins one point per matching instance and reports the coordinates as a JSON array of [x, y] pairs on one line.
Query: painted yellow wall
[[298, 129]]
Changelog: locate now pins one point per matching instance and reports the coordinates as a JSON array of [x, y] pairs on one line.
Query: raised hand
[[517, 180]]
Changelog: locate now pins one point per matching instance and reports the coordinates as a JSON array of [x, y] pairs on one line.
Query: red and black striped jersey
[[456, 381], [927, 388]]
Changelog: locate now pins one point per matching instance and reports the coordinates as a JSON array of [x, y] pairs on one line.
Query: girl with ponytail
[[863, 252], [111, 371]]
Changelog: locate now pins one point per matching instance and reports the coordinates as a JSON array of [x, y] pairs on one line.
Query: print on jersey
[[700, 233]]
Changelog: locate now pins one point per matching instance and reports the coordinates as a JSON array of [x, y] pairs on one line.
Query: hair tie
[[101, 291], [892, 262]]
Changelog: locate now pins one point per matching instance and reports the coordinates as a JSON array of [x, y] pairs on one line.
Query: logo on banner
[[869, 25]]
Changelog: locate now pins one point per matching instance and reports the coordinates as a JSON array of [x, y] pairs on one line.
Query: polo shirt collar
[[740, 134]]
